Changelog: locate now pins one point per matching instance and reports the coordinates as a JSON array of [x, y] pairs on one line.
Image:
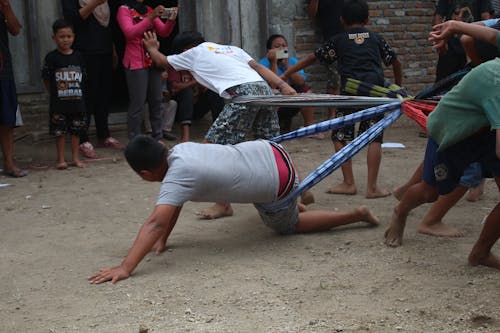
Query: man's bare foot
[[367, 216], [399, 192], [378, 193], [160, 246], [215, 212], [307, 198], [490, 260], [79, 164], [343, 188], [475, 193], [439, 229], [61, 165], [394, 233]]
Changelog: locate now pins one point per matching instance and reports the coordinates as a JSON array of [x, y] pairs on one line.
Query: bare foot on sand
[[215, 212], [367, 216], [399, 192], [439, 229], [377, 193], [343, 188], [61, 165], [307, 198], [79, 164], [160, 246], [490, 260], [394, 233], [475, 193]]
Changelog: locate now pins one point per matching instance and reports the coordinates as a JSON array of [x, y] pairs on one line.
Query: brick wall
[[404, 24]]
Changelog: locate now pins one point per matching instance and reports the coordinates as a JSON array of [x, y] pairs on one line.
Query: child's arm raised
[[304, 62], [157, 227], [271, 78], [443, 31], [397, 69]]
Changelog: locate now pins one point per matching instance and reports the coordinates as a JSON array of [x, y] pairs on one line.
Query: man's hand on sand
[[113, 274]]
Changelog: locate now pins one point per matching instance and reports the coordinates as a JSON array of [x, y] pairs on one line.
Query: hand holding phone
[[282, 54]]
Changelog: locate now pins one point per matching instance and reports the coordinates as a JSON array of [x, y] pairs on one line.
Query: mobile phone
[[282, 54], [169, 13]]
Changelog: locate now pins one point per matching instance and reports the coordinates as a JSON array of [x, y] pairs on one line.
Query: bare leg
[[475, 193], [373, 159], [184, 133], [216, 211], [481, 252], [7, 143], [432, 223], [308, 116], [415, 196], [322, 220], [60, 163], [75, 145], [415, 179], [347, 186]]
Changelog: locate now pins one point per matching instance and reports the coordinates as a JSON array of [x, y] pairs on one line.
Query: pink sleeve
[[163, 29], [131, 30]]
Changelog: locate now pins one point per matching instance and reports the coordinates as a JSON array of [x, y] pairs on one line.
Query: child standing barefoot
[[63, 75]]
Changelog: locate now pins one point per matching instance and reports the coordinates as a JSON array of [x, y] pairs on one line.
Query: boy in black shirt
[[360, 53], [63, 74]]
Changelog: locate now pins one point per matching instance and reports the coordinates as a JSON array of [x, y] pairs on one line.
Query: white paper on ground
[[4, 185], [393, 145]]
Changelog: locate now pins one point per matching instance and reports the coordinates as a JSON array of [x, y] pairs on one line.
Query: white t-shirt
[[215, 66], [241, 173]]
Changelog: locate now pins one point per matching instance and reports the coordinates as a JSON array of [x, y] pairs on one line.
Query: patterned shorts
[[236, 120], [283, 221], [70, 123], [333, 76], [346, 133]]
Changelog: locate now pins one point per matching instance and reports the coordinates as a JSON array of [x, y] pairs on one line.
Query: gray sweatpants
[[144, 85]]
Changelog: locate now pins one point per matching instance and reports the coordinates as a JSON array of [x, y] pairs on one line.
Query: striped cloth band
[[291, 170], [339, 158]]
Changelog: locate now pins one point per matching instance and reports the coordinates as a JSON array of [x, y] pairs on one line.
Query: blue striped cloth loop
[[337, 123], [340, 157]]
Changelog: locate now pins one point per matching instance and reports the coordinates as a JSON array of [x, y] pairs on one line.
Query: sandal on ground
[[87, 150], [111, 143], [15, 173]]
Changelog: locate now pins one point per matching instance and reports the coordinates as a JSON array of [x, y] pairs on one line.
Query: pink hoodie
[[134, 25]]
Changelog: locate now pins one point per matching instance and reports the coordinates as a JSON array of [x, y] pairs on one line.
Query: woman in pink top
[[143, 79]]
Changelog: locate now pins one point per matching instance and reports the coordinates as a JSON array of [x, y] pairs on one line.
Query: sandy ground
[[233, 274]]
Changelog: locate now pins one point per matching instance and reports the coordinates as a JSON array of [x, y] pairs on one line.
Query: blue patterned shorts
[[236, 120]]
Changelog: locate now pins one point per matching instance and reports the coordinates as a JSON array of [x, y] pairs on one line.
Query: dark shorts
[[444, 169], [67, 123], [8, 103], [346, 133]]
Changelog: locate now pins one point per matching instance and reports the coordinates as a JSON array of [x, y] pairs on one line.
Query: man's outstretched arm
[[159, 224]]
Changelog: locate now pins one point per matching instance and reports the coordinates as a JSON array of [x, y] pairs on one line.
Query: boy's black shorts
[[73, 123], [346, 133], [451, 162]]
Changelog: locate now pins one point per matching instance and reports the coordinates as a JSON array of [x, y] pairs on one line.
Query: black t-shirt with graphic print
[[66, 74], [360, 54]]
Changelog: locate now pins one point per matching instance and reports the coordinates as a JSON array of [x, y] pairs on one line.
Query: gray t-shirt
[[242, 173]]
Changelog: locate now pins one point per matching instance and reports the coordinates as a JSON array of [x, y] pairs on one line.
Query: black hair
[[270, 40], [61, 24], [355, 11], [185, 40], [145, 153]]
